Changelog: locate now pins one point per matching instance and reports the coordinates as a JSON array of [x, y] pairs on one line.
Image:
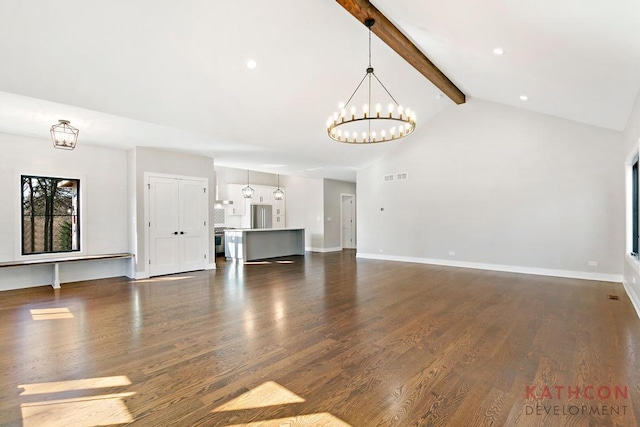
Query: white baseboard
[[617, 278], [633, 296], [310, 249], [210, 266], [138, 275]]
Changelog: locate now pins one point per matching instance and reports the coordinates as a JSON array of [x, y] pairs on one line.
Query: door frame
[[353, 197], [145, 227]]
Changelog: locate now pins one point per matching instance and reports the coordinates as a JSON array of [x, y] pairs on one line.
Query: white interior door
[[178, 210], [192, 225], [164, 226], [348, 219]]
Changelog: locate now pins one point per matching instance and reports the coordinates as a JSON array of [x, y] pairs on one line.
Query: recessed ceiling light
[[498, 51], [524, 97], [251, 64], [439, 96]]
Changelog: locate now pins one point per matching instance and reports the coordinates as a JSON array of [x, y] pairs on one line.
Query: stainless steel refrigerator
[[261, 216]]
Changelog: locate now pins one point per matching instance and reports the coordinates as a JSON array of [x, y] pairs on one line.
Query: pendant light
[[278, 194], [247, 192], [64, 135]]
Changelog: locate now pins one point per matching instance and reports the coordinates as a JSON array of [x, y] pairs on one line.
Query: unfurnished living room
[[319, 213]]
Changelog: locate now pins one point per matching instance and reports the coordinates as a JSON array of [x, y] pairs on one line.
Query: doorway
[[348, 221], [178, 210]]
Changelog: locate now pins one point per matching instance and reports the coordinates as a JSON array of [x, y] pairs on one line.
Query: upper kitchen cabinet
[[278, 206], [234, 193], [263, 195]]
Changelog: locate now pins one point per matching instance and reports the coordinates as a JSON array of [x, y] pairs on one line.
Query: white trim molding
[[616, 278], [311, 249], [632, 296]]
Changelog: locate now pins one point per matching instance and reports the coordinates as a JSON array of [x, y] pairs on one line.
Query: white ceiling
[[172, 74]]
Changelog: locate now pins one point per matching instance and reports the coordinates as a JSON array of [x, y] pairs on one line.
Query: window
[[634, 208], [50, 214]]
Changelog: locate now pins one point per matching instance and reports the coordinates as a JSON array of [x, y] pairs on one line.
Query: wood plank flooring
[[326, 339]]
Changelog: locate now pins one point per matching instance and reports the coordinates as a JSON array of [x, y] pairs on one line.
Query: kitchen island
[[251, 244]]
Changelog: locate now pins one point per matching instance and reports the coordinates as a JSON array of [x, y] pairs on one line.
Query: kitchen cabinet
[[278, 207], [234, 193], [263, 195], [278, 221]]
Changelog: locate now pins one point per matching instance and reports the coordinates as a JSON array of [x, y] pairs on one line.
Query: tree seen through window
[[50, 215]]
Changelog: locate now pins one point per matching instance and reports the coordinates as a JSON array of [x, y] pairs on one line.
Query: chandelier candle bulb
[[353, 113]]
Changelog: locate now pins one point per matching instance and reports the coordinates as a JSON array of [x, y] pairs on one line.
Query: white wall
[[304, 208], [501, 188], [103, 174], [149, 160], [225, 175], [631, 140]]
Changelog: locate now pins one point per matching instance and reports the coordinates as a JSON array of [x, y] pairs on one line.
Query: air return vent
[[388, 178], [402, 176]]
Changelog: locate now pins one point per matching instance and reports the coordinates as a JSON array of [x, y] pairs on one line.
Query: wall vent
[[402, 176], [388, 178]]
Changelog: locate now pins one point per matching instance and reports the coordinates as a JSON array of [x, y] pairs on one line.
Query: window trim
[[17, 197], [632, 222], [78, 217], [634, 236]]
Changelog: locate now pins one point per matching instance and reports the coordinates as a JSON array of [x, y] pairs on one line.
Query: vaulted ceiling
[[172, 74]]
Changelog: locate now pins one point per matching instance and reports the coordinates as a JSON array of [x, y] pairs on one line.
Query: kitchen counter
[[250, 244]]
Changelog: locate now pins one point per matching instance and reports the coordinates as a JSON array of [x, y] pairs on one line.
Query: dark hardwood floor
[[322, 340]]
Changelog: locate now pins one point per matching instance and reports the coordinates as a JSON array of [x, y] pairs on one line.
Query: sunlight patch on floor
[[78, 412], [266, 394], [257, 262], [284, 262], [323, 419], [51, 313], [83, 384], [82, 411]]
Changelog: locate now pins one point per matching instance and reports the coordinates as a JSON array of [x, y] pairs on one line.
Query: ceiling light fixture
[[247, 192], [498, 51], [396, 123], [64, 135], [524, 97], [251, 64], [278, 194]]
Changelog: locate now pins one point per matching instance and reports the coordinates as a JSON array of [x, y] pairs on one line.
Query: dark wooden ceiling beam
[[393, 37]]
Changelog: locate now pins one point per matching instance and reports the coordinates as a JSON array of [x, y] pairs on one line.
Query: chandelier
[[373, 125], [64, 135]]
